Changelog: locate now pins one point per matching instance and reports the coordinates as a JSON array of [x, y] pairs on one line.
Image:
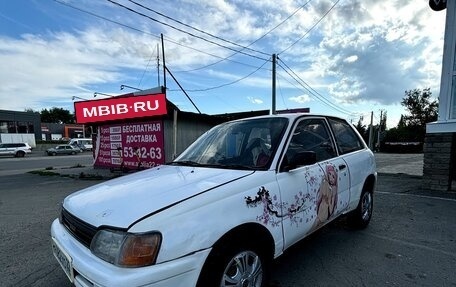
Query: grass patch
[[90, 176], [77, 166], [44, 173]]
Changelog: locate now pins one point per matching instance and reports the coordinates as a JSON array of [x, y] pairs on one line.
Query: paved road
[[410, 241], [411, 164], [12, 166]]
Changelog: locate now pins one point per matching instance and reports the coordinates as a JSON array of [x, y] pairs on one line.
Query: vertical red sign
[[130, 145]]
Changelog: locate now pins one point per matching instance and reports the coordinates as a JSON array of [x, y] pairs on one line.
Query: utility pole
[[158, 65], [164, 65], [380, 128], [371, 131], [274, 56]]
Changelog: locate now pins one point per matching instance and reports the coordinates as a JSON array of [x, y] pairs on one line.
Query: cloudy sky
[[340, 57]]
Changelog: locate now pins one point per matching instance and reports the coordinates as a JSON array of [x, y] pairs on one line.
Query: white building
[[439, 172]]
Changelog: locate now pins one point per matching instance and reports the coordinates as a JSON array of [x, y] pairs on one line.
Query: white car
[[218, 215], [15, 149]]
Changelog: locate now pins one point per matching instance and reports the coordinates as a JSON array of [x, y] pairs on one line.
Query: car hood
[[122, 201]]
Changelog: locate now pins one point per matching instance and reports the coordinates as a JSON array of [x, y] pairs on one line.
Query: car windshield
[[244, 144]]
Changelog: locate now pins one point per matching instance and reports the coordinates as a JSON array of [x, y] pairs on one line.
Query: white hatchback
[[218, 215]]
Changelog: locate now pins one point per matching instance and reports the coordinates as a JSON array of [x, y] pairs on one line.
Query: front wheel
[[361, 216], [20, 154], [236, 266]]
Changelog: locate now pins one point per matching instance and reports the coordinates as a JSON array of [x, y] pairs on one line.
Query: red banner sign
[[130, 145], [118, 108]]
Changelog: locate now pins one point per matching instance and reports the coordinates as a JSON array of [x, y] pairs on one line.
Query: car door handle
[[342, 166]]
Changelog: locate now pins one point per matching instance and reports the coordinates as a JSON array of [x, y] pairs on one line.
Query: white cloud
[[351, 59], [300, 99], [361, 52], [256, 101]]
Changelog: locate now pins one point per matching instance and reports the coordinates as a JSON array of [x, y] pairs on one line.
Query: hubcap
[[244, 270]]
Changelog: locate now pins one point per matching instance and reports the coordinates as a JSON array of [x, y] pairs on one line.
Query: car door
[[60, 149], [3, 149], [309, 193], [68, 149], [350, 146], [10, 148]]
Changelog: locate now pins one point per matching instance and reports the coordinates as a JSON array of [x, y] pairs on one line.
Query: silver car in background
[[63, 149]]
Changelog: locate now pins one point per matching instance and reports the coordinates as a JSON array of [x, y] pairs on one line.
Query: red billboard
[[119, 108], [130, 145]]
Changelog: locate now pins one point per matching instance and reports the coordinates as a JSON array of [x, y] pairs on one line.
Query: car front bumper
[[90, 271]]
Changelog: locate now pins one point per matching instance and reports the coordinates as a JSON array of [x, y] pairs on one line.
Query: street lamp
[[101, 94], [76, 97], [130, 87]]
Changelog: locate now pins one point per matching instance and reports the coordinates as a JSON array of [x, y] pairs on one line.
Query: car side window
[[312, 135], [346, 139]]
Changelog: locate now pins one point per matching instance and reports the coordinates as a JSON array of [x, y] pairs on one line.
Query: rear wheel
[[243, 265], [361, 216]]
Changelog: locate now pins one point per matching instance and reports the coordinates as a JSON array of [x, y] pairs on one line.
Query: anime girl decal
[[321, 197], [327, 196]]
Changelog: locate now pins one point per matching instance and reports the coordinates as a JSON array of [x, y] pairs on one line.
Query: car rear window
[[346, 138]]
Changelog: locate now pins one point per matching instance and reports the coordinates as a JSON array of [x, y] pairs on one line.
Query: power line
[[183, 31], [281, 94], [147, 66], [106, 19], [312, 91], [264, 35], [168, 39], [230, 83], [196, 29], [209, 54], [311, 28]]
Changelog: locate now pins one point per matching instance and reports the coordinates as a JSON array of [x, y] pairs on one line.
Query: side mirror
[[301, 159]]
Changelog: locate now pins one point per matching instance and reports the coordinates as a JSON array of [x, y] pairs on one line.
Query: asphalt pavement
[[397, 173], [410, 241], [387, 163]]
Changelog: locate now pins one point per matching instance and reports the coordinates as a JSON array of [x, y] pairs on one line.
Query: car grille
[[81, 230]]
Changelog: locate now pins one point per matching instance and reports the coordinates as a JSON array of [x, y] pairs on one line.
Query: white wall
[[19, 138]]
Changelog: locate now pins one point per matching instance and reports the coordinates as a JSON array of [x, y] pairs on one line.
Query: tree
[[57, 115], [362, 129], [422, 110], [420, 106]]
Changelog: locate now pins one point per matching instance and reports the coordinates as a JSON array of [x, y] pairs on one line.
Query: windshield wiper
[[186, 163], [238, 166], [224, 166]]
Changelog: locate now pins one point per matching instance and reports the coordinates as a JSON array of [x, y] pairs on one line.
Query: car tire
[[53, 154], [73, 153], [20, 154], [361, 216], [236, 265]]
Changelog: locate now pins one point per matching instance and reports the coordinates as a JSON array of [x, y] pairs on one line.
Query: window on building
[[3, 127], [453, 96], [12, 128]]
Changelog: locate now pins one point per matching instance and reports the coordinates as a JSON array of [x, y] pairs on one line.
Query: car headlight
[[126, 249]]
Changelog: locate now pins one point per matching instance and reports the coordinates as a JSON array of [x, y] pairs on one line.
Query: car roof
[[292, 116]]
